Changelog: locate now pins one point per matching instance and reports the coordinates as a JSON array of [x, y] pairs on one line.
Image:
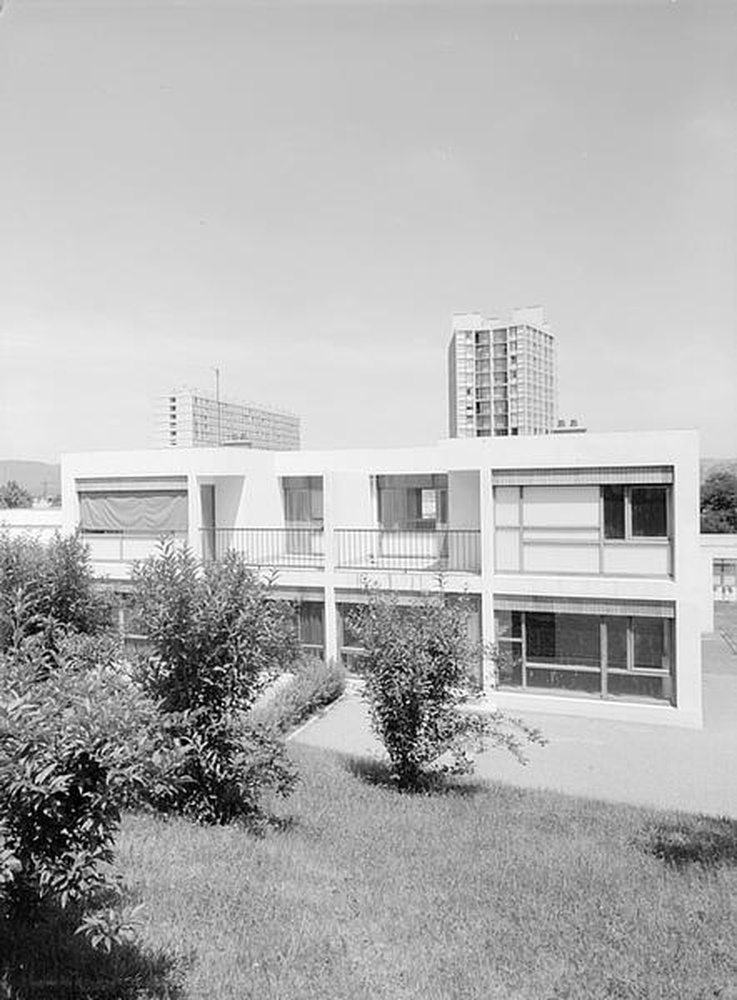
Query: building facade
[[501, 376], [580, 554], [191, 418]]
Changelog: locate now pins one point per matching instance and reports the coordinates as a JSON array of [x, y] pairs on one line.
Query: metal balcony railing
[[127, 546], [279, 547], [437, 551]]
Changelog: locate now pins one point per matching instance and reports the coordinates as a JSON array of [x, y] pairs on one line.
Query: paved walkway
[[625, 762]]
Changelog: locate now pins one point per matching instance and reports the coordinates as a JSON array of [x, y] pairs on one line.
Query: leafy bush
[[216, 637], [419, 666], [47, 590], [719, 503], [12, 494], [313, 685], [75, 747]]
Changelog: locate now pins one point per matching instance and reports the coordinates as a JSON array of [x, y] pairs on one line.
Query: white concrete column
[[194, 512], [486, 507], [330, 619], [330, 623]]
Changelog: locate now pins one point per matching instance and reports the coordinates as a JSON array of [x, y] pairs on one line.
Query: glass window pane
[[566, 639], [649, 643], [509, 664], [634, 686], [310, 620], [540, 636], [508, 624], [617, 642], [649, 512], [578, 640], [613, 511], [564, 680]]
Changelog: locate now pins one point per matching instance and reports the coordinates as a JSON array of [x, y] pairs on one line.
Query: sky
[[303, 194]]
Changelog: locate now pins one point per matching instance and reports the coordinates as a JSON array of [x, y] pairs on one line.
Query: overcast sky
[[304, 194]]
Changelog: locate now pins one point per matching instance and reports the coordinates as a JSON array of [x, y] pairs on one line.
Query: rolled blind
[[146, 511], [634, 475], [133, 484], [583, 606]]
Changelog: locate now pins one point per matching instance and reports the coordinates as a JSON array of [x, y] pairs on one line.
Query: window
[[635, 511], [303, 500], [606, 656], [310, 627], [649, 512], [614, 526], [412, 503]]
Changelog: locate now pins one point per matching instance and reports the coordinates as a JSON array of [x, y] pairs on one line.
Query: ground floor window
[[725, 580], [351, 651], [311, 626], [605, 656]]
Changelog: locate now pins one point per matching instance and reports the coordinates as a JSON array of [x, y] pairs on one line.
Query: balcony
[[287, 548], [429, 551], [127, 546]]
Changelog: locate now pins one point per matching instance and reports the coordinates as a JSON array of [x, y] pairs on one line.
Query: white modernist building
[[580, 554]]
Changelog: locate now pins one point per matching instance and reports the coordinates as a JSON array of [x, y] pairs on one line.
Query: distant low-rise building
[[193, 418]]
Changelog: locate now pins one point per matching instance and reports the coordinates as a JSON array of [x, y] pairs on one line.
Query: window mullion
[[628, 512], [604, 655], [523, 657]]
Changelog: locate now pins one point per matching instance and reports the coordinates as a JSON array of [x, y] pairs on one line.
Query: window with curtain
[[412, 503], [133, 511], [303, 500]]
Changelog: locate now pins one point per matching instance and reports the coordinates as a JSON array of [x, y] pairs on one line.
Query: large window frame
[[602, 544], [517, 670]]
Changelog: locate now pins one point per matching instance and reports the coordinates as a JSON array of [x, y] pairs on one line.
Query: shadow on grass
[[46, 959], [706, 841], [378, 772]]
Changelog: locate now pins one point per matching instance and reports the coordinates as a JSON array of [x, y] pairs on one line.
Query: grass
[[483, 892]]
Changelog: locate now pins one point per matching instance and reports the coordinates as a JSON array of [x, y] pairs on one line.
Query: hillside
[[39, 478]]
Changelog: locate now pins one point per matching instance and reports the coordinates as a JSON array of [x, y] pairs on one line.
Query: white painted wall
[[250, 483], [36, 522]]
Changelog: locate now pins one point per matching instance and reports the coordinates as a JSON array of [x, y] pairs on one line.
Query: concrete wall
[[36, 522]]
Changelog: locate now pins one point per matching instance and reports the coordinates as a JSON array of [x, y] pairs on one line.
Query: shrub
[[216, 636], [75, 747], [47, 590], [313, 685], [419, 666]]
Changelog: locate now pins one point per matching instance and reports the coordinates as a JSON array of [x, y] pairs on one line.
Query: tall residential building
[[501, 375], [191, 418]]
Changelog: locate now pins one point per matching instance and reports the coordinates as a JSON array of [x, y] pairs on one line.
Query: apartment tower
[[501, 376], [191, 418]]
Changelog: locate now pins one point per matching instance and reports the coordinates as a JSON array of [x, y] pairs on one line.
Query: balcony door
[[303, 513]]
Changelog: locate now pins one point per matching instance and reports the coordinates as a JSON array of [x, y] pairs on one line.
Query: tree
[[719, 503], [418, 663], [216, 636], [13, 495]]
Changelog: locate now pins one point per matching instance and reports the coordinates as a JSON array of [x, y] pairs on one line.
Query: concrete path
[[624, 762]]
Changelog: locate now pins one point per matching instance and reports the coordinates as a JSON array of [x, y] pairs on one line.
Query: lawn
[[361, 893]]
